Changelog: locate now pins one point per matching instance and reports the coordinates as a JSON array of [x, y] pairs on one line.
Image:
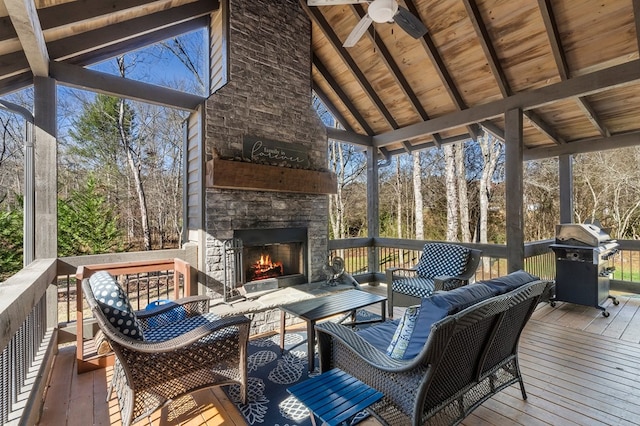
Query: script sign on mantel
[[266, 151]]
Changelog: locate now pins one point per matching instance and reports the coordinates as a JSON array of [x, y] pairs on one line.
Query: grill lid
[[581, 234]]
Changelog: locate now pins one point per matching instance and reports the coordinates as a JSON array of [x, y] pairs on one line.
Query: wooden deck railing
[[37, 304], [143, 281]]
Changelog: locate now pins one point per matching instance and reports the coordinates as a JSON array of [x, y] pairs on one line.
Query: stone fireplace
[[267, 205], [277, 256]]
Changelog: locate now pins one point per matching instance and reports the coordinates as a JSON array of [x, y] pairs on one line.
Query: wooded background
[[120, 180]]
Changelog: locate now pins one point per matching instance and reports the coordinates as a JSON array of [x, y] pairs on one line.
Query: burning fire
[[265, 268]]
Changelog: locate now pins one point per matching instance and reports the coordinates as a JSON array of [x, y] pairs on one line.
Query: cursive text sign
[[266, 151]]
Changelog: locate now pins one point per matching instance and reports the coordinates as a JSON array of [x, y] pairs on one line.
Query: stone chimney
[[268, 95]]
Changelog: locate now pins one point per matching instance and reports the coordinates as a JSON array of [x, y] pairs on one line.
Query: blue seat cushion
[[511, 281], [379, 335], [439, 259], [414, 286], [180, 327], [454, 301], [114, 304]]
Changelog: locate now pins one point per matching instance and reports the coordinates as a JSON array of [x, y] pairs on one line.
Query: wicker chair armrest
[[186, 339], [347, 340], [193, 305], [397, 272], [445, 282]]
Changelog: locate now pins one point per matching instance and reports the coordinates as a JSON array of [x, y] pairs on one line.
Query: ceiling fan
[[379, 11]]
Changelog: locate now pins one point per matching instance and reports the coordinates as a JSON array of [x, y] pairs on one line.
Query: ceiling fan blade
[[410, 23], [358, 31], [333, 2]]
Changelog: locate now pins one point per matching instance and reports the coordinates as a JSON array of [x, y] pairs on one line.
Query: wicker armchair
[[167, 352], [467, 358], [441, 267]]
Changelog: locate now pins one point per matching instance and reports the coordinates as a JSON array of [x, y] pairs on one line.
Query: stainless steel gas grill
[[582, 265]]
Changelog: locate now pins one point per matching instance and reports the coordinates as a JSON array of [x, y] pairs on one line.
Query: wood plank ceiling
[[547, 57], [37, 34], [572, 66]]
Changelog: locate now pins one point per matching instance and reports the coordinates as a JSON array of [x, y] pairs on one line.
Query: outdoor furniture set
[[436, 364], [445, 357]]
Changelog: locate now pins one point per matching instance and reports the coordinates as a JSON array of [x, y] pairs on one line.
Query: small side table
[[334, 396]]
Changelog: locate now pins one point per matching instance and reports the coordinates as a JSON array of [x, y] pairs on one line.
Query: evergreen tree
[[86, 223], [10, 242]]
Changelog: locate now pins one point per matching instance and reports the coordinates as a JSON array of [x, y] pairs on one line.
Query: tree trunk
[[463, 196], [452, 193], [336, 201], [490, 152], [135, 167], [417, 196]]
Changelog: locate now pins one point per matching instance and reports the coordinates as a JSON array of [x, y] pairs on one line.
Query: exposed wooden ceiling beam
[[636, 18], [319, 19], [82, 78], [116, 49], [24, 18], [587, 145], [69, 47], [330, 107], [598, 81], [324, 72], [592, 116], [15, 82], [489, 52], [347, 136], [94, 46], [394, 69], [70, 12], [440, 67], [433, 53], [553, 34], [543, 127], [490, 127]]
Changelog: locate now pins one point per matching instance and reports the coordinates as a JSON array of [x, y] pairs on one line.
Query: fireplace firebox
[[276, 254]]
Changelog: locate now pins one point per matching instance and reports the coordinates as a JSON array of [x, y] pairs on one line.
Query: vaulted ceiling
[[570, 65], [45, 37]]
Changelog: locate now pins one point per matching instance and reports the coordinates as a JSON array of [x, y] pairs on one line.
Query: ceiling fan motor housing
[[383, 10]]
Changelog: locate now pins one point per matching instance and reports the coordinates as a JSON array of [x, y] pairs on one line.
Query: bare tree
[[463, 196], [417, 196], [452, 193], [490, 148], [134, 161]]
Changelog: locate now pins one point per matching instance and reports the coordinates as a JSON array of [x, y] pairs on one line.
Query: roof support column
[[46, 176], [373, 207], [514, 189], [565, 176]]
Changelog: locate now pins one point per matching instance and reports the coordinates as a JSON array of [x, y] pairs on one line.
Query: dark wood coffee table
[[319, 308]]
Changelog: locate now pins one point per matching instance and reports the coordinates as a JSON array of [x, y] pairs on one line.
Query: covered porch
[[579, 369], [549, 80]]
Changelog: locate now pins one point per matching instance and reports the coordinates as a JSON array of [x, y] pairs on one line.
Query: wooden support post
[[565, 176], [46, 163], [514, 189], [373, 208]]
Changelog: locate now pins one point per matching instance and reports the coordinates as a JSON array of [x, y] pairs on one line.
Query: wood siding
[[218, 48]]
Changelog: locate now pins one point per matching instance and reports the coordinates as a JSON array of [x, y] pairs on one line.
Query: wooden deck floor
[[580, 368]]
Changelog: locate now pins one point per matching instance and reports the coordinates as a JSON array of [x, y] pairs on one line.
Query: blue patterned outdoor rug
[[271, 373]]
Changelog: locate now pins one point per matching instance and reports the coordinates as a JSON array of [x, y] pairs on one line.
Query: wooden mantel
[[260, 177]]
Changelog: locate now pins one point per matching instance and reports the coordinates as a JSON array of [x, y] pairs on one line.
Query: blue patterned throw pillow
[[401, 337], [115, 305], [439, 259]]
